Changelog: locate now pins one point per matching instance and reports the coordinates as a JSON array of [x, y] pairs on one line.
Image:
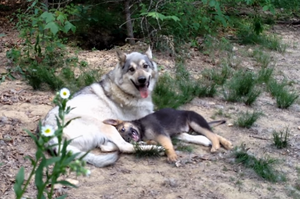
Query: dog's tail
[[102, 160], [216, 123]]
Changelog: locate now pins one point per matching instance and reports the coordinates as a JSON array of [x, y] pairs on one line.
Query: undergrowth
[[262, 167], [280, 138], [247, 119]]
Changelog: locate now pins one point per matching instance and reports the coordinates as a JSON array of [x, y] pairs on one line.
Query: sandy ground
[[201, 175]]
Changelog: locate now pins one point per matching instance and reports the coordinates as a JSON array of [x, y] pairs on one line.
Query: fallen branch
[[259, 137]]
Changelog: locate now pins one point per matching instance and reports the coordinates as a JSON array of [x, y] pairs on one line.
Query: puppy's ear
[[149, 53], [112, 122], [121, 57]]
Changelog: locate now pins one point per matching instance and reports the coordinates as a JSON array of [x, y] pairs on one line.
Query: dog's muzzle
[[142, 86]]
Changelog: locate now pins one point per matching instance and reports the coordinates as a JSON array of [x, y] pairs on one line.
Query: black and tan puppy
[[161, 125]]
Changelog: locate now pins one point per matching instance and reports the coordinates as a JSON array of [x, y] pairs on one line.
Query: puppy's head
[[127, 130]]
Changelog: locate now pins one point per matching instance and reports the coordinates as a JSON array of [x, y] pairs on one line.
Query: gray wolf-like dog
[[161, 125], [124, 93]]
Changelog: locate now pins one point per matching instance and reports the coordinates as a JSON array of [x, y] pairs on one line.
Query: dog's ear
[[112, 122], [122, 57], [149, 53]]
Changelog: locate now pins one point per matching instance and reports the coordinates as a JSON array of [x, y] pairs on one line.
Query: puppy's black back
[[170, 121]]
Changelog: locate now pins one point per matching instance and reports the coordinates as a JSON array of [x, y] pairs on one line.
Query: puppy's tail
[[102, 160], [216, 123]]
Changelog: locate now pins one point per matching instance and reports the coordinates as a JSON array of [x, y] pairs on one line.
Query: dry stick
[[259, 137]]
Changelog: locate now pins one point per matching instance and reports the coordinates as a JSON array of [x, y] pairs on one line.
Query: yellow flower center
[[47, 131], [64, 93]]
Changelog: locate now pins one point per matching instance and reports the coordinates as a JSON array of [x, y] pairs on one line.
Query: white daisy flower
[[64, 93], [47, 131]]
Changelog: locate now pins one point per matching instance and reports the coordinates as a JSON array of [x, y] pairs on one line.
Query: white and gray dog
[[124, 93]]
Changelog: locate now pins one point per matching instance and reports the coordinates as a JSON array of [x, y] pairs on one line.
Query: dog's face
[[127, 130], [138, 73]]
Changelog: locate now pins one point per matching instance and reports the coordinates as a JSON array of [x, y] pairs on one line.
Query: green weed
[[217, 76], [174, 92], [264, 75], [241, 87], [281, 139], [261, 57], [262, 167], [246, 119], [284, 98]]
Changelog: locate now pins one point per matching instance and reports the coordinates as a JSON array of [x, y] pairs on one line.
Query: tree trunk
[[128, 23]]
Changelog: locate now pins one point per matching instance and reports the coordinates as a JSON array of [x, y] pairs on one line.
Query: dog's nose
[[142, 80]]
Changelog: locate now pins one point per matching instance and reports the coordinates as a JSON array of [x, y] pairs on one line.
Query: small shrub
[[262, 167], [281, 139], [284, 98], [251, 97], [246, 119], [261, 57], [217, 76], [174, 92], [241, 87], [264, 75]]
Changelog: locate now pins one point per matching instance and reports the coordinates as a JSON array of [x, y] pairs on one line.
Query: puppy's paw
[[172, 158], [215, 148], [225, 143]]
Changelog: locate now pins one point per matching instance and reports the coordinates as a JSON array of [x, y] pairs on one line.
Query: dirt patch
[[201, 174]]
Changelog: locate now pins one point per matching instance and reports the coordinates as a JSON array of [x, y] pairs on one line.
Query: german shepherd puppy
[[161, 125]]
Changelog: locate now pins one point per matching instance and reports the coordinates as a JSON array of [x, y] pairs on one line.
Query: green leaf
[[2, 35], [48, 17], [66, 183], [53, 27], [61, 17], [265, 8], [39, 176], [69, 26], [19, 182], [50, 161]]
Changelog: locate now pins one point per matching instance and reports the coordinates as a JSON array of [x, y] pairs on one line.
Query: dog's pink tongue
[[144, 92]]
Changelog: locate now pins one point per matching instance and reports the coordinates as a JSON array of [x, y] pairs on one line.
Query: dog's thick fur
[[124, 93], [161, 125]]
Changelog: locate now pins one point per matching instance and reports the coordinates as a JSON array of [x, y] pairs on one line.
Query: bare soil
[[201, 174]]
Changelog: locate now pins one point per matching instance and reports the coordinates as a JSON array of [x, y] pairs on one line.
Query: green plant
[[284, 98], [264, 75], [48, 170], [281, 139], [261, 57], [219, 77], [43, 59], [247, 119], [174, 92], [241, 87], [262, 167]]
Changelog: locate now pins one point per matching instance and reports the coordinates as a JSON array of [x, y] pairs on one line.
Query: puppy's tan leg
[[226, 143], [167, 144], [210, 135]]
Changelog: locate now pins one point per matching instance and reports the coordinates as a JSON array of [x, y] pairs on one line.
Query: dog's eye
[[123, 129], [145, 66], [131, 69]]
